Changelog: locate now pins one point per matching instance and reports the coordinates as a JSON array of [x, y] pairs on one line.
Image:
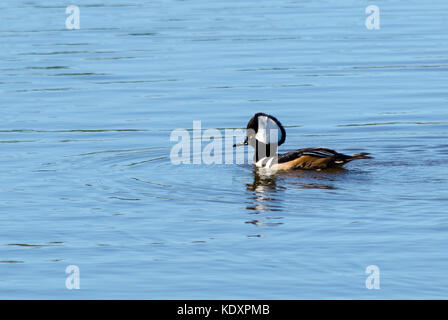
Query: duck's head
[[264, 133]]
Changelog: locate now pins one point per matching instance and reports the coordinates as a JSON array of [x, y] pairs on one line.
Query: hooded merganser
[[265, 133]]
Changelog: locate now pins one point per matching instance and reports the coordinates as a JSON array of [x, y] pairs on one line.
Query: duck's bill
[[241, 144]]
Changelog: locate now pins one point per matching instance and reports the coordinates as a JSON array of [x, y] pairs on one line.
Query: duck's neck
[[263, 150]]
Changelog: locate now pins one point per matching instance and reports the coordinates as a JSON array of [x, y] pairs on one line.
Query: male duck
[[265, 133]]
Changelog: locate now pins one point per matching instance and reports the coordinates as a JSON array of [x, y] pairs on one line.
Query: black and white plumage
[[265, 133]]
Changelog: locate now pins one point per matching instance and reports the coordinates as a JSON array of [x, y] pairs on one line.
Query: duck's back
[[315, 158]]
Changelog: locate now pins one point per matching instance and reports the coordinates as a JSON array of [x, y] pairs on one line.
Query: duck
[[265, 134]]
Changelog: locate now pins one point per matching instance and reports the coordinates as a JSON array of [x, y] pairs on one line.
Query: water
[[86, 177]]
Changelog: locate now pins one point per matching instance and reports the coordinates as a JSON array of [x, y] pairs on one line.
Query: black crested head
[[264, 133], [266, 129]]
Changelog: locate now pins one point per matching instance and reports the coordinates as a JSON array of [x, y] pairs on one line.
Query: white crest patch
[[268, 131]]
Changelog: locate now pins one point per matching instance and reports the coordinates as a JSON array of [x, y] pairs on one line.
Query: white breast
[[265, 162]]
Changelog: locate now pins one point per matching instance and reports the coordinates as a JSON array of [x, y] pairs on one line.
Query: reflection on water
[[265, 194], [263, 197]]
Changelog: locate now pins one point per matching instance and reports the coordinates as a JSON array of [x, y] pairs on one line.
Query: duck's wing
[[315, 158]]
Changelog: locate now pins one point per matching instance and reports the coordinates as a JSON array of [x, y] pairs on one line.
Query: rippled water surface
[[86, 178]]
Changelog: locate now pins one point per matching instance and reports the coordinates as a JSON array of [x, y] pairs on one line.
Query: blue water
[[86, 178]]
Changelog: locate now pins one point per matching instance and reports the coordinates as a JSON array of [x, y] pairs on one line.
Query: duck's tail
[[362, 155]]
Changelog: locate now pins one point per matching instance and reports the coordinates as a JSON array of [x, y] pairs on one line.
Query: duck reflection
[[264, 197], [265, 193]]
